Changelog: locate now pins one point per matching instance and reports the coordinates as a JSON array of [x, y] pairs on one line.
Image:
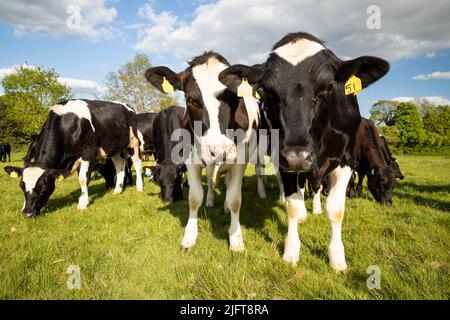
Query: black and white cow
[[304, 85], [75, 134], [5, 150], [216, 109], [167, 173]]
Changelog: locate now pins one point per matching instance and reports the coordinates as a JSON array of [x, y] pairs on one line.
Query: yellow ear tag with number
[[244, 89], [148, 170], [14, 174], [257, 96], [60, 178], [167, 87], [353, 85]]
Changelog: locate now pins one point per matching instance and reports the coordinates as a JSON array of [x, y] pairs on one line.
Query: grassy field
[[128, 246]]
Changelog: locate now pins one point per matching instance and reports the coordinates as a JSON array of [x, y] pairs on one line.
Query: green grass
[[128, 246]]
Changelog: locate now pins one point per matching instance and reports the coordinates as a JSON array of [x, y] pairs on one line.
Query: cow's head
[[381, 183], [208, 102], [37, 185], [304, 96], [169, 177]]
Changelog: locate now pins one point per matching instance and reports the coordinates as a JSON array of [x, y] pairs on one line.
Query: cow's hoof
[[209, 203], [237, 246], [116, 192], [188, 242], [340, 266], [262, 195], [317, 212], [302, 216], [82, 207], [291, 250], [140, 189]]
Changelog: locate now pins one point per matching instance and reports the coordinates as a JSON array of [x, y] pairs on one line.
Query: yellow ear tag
[[353, 85], [244, 89], [148, 170], [257, 96], [167, 87], [14, 174], [60, 178]]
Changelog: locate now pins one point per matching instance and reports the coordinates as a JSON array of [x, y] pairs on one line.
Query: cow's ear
[[13, 172], [164, 79], [232, 76], [368, 69]]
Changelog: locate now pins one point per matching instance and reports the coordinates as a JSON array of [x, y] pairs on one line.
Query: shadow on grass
[[424, 201], [253, 214], [425, 188], [95, 192]]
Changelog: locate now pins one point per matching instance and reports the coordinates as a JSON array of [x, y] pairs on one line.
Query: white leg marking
[[260, 179], [119, 164], [317, 205], [83, 201], [139, 182], [233, 201], [195, 201], [296, 210], [335, 208]]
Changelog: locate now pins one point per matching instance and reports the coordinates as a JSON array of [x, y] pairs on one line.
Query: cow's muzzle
[[298, 159], [30, 213]]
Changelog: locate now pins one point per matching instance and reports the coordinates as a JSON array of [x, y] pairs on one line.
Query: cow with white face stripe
[[216, 109], [304, 97], [75, 134]]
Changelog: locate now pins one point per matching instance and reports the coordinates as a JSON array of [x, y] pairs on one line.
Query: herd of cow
[[300, 92]]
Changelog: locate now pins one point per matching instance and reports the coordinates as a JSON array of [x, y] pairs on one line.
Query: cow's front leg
[[119, 164], [339, 178], [195, 201], [280, 187], [137, 167], [233, 200], [83, 201], [260, 179], [360, 184], [296, 210], [317, 205]]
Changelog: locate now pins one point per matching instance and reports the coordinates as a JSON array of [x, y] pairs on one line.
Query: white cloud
[[431, 54], [80, 87], [84, 19], [436, 100], [244, 31], [434, 75]]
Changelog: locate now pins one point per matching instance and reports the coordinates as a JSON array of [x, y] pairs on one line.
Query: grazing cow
[[167, 173], [75, 134], [211, 110], [391, 161], [304, 86], [374, 161], [144, 125], [5, 150]]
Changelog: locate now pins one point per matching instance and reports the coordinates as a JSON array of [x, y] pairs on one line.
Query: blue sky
[[414, 38]]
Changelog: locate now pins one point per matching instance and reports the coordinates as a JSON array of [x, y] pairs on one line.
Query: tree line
[[413, 127], [30, 92]]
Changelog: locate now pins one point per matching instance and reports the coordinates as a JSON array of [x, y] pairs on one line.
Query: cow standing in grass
[[213, 109], [75, 134], [304, 97], [374, 160]]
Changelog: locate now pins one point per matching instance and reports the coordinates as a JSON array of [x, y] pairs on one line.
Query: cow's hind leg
[[335, 208], [317, 205], [233, 201], [260, 179], [137, 167], [83, 175], [119, 164], [195, 201], [210, 192], [360, 184]]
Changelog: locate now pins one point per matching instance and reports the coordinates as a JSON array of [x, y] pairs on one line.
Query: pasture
[[128, 246]]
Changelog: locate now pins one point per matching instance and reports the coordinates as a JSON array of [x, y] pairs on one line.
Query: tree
[[409, 122], [383, 112], [392, 135], [128, 85], [28, 94]]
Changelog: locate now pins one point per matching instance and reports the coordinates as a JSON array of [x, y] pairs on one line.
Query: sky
[[83, 40]]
